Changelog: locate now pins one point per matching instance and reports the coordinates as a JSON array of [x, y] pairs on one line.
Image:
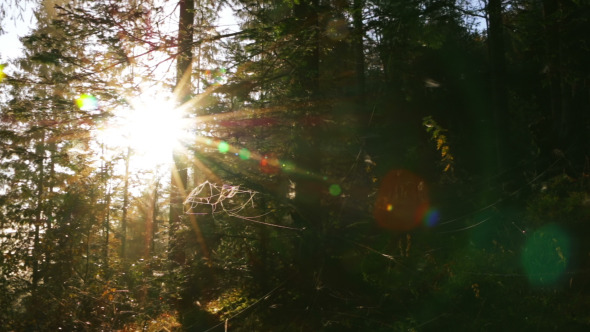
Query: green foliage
[[329, 101], [442, 144], [559, 199]]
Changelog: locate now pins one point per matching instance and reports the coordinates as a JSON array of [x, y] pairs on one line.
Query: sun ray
[[206, 171], [215, 118]]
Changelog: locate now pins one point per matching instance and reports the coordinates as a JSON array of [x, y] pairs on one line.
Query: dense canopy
[[295, 165]]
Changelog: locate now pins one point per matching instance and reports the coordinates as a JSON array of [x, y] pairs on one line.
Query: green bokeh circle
[[335, 190], [546, 255]]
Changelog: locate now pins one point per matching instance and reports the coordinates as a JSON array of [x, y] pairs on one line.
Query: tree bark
[[49, 214], [40, 154], [359, 55], [179, 176], [309, 187], [154, 229], [500, 118], [125, 207]]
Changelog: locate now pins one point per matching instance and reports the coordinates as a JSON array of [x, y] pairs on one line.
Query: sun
[[150, 126], [155, 128]]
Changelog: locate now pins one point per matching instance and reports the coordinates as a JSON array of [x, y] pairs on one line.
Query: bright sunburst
[[151, 126]]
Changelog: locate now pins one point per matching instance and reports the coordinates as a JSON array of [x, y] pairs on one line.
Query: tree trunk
[[49, 214], [40, 154], [563, 117], [306, 14], [107, 226], [179, 176], [359, 55], [106, 214], [309, 186], [125, 206], [154, 212], [307, 196], [500, 117]]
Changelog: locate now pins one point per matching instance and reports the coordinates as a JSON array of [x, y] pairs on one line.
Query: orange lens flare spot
[[269, 164], [402, 201]]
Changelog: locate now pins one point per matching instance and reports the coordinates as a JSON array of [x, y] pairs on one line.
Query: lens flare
[[87, 102], [244, 154], [223, 147], [215, 76], [287, 166], [432, 217], [546, 255], [2, 75], [402, 201], [335, 190], [269, 164]]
